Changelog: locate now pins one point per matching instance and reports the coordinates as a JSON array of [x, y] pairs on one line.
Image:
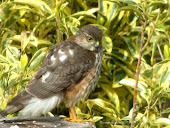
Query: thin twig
[[152, 31], [137, 75], [160, 52]]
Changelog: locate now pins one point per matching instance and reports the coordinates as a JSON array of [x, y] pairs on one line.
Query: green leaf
[[131, 8], [166, 51], [158, 3], [12, 79], [82, 115], [14, 51], [28, 39], [83, 13], [37, 59], [12, 18], [112, 95], [127, 118], [38, 4], [4, 59], [42, 42], [101, 105], [24, 61], [63, 6], [97, 118], [165, 78], [16, 38], [129, 70], [166, 110], [6, 40], [107, 44], [131, 83], [161, 73], [130, 2], [163, 121], [122, 55], [156, 92], [11, 56], [112, 11], [130, 45], [118, 74]]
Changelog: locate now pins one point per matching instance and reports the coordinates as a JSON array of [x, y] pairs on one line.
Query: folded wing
[[64, 66]]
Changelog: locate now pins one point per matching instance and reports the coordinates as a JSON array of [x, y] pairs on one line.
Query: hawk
[[68, 73]]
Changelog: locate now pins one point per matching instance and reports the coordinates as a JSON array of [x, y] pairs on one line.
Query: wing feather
[[64, 66]]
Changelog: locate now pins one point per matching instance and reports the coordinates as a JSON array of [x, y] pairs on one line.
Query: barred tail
[[9, 110], [16, 104]]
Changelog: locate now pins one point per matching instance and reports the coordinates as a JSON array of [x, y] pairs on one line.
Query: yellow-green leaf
[[38, 4], [24, 61], [107, 44]]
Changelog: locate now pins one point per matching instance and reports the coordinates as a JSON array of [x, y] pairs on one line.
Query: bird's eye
[[89, 39]]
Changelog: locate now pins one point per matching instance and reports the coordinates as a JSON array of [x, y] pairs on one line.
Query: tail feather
[[30, 106], [3, 113], [9, 110], [16, 104]]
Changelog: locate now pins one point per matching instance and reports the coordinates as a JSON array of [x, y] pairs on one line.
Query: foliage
[[29, 28]]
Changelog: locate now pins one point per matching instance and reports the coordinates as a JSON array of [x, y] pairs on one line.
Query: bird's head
[[89, 37]]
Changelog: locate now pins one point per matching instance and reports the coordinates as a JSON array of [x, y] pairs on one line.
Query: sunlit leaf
[[101, 105], [131, 8], [11, 56], [164, 121], [14, 51], [112, 95], [36, 59], [4, 59], [6, 40], [83, 13], [131, 83], [166, 110], [12, 79], [38, 4], [166, 52], [97, 118], [24, 61], [107, 43]]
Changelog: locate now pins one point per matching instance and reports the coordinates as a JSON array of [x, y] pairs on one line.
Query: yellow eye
[[89, 39]]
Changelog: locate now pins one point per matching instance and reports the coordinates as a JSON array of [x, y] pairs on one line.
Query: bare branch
[[137, 74]]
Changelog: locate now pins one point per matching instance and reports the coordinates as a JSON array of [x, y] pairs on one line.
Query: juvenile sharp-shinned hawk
[[68, 74]]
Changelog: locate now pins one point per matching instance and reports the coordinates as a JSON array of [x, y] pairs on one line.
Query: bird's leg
[[73, 116], [72, 112]]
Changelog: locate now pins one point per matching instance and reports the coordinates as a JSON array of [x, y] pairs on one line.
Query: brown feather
[[17, 103], [61, 74]]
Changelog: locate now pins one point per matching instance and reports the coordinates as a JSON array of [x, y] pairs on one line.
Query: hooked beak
[[97, 44]]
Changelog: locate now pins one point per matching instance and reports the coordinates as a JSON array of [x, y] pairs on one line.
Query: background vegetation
[[29, 28]]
